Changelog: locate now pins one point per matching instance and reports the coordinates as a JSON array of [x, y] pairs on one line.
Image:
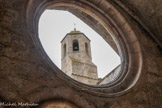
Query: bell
[[75, 48]]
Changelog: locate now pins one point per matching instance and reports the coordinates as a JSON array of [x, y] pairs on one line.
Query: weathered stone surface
[[140, 98], [27, 75], [150, 16], [78, 64]]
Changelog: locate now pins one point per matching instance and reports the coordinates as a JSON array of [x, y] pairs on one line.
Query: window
[[86, 48], [64, 50], [75, 45]]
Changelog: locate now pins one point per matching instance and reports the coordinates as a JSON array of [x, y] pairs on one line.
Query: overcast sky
[[54, 25]]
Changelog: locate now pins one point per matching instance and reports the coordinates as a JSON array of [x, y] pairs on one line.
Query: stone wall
[[111, 76], [85, 73], [149, 17], [78, 64], [28, 75]]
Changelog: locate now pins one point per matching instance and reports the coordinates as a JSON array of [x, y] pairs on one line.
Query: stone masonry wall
[[78, 64], [85, 73], [111, 76], [26, 74]]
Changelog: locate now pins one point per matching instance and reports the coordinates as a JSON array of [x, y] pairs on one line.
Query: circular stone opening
[[78, 50], [115, 25]]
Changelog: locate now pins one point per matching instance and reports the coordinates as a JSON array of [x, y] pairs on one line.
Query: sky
[[55, 24]]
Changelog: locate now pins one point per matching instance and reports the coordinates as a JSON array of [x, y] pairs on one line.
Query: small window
[[64, 49], [75, 45], [86, 48]]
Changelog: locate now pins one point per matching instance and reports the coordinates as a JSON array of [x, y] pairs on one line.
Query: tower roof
[[75, 32]]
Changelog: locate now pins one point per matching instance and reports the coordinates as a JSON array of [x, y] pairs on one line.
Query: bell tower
[[76, 59]]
